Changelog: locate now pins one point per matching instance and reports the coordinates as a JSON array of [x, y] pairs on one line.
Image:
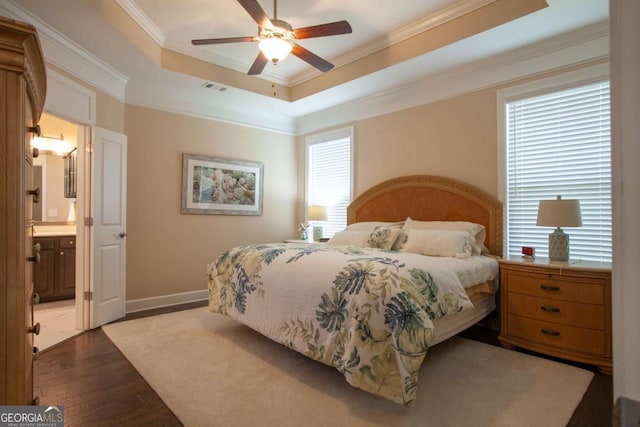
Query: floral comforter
[[367, 312]]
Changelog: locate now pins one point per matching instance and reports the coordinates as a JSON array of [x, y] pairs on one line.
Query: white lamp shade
[[275, 49], [559, 213], [317, 213]]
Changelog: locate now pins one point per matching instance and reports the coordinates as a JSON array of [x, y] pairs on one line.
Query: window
[[558, 142], [329, 177]]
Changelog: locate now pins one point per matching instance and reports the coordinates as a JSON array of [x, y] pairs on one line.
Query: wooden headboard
[[430, 198]]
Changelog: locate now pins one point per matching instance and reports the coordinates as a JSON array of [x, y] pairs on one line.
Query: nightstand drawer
[[557, 311], [583, 290], [567, 337]]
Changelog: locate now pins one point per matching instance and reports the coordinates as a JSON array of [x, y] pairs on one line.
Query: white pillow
[[447, 243], [477, 231], [370, 225], [349, 237], [383, 237]]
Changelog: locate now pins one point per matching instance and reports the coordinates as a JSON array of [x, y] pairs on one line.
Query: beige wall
[[455, 138], [167, 251]]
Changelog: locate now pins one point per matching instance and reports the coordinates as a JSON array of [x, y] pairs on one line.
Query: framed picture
[[220, 186]]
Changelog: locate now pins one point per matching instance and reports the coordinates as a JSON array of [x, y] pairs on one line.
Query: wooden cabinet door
[[44, 273], [22, 94], [67, 267]]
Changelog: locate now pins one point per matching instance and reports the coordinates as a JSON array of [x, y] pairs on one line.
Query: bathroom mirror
[[49, 171], [48, 175]]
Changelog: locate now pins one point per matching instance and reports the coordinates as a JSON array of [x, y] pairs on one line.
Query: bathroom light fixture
[[52, 145]]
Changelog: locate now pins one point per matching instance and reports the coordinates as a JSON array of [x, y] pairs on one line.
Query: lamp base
[[558, 245], [317, 233]]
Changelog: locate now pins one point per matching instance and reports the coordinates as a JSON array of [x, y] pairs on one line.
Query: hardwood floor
[[99, 387]]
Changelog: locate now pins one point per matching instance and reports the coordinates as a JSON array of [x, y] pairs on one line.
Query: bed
[[415, 266]]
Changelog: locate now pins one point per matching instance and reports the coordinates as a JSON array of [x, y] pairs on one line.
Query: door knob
[[36, 298], [36, 194], [122, 235], [36, 254]]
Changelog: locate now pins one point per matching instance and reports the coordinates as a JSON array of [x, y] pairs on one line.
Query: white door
[[109, 243]]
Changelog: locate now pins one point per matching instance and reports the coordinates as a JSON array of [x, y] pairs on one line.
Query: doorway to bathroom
[[55, 230]]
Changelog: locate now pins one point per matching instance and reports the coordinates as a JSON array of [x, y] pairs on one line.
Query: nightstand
[[561, 309]]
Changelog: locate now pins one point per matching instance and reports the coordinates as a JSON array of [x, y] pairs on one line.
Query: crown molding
[[143, 21], [582, 46], [577, 47], [431, 21], [269, 120], [224, 115], [68, 56]]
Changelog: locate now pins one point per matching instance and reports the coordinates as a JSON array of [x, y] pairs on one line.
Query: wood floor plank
[[97, 385]]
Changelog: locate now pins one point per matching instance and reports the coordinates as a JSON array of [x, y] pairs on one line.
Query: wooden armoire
[[22, 94]]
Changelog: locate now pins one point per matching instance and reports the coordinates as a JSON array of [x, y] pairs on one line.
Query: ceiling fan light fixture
[[275, 49]]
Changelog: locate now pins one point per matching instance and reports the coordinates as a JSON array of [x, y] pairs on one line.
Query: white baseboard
[[166, 300]]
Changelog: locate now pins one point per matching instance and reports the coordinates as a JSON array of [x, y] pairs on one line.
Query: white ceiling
[[376, 24]]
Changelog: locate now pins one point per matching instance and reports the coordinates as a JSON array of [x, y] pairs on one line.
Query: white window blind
[[329, 178], [560, 144]]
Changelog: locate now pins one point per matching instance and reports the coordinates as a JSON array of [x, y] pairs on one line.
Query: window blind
[[560, 144], [329, 181]]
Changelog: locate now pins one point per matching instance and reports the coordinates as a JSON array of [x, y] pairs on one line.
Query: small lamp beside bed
[[559, 213], [317, 213]]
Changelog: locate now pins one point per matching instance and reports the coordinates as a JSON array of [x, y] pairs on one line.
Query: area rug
[[212, 371]]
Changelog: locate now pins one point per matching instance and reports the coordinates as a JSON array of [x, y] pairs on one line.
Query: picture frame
[[216, 186]]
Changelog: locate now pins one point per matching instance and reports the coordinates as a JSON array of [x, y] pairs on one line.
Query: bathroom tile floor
[[57, 322]]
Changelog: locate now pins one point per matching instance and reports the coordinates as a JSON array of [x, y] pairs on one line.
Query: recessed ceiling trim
[[433, 20], [225, 62], [68, 56], [143, 21], [585, 45], [439, 17]]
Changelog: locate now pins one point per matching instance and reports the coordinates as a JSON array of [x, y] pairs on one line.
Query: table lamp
[[317, 213], [559, 213]]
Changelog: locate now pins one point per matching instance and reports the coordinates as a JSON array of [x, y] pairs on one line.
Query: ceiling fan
[[276, 38]]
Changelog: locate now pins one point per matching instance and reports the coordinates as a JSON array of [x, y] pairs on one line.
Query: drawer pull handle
[[35, 129], [550, 332], [35, 329], [549, 309], [549, 288]]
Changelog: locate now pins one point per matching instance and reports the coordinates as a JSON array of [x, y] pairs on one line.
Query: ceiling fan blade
[[258, 64], [223, 40], [257, 13], [330, 29], [311, 58]]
